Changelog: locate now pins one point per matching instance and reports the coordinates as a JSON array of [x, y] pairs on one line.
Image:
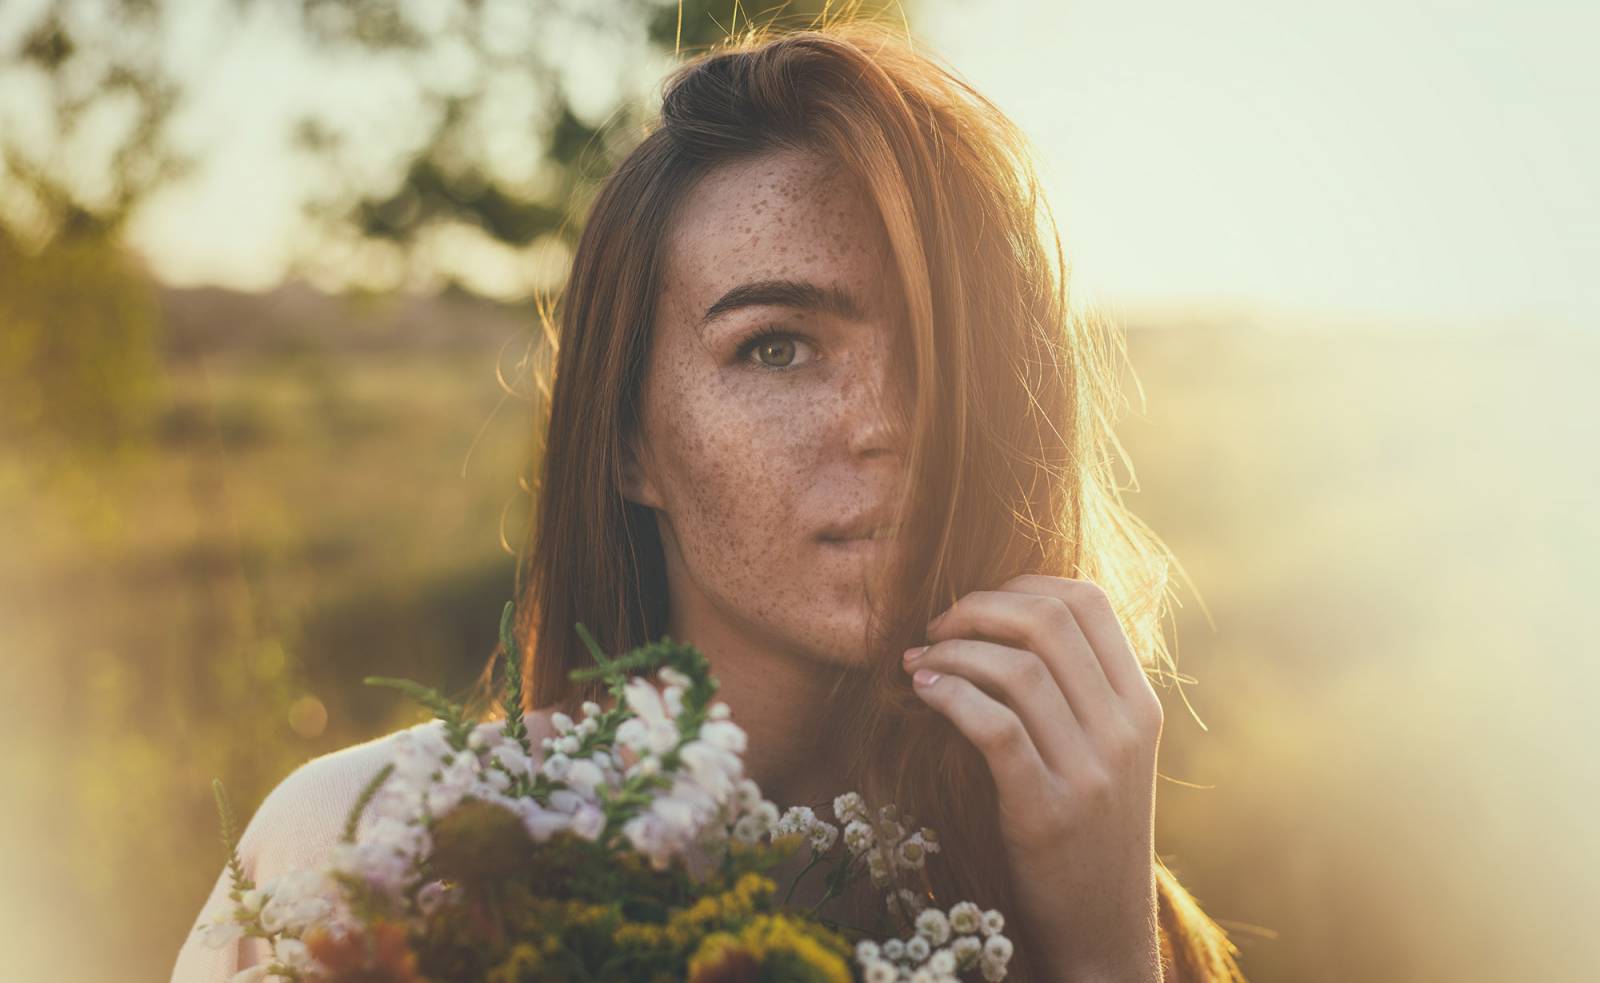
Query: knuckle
[[1000, 733], [1095, 786], [1053, 614]]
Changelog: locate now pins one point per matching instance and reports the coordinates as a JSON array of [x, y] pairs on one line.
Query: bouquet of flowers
[[633, 850]]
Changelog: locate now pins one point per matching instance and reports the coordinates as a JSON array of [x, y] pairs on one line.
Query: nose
[[875, 404]]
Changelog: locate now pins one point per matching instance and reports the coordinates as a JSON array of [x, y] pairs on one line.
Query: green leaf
[[456, 726], [230, 843]]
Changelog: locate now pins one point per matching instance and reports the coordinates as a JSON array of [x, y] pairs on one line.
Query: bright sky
[[1410, 162], [1429, 162]]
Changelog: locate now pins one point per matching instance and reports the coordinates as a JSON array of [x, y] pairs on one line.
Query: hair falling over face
[[1009, 448]]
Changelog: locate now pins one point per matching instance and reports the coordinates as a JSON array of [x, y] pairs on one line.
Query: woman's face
[[756, 448]]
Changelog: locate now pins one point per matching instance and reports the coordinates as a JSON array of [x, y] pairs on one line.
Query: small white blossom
[[858, 837], [943, 962], [894, 950], [849, 807], [909, 854], [293, 954], [966, 918], [866, 951], [555, 767], [823, 836], [917, 948], [993, 922], [934, 926], [879, 971], [590, 709], [966, 949], [997, 947], [561, 722]]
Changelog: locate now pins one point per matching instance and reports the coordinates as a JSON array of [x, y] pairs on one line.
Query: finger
[[1097, 619], [1019, 679], [992, 728], [1044, 625]]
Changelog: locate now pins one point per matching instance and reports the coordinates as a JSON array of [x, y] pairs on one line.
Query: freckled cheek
[[750, 469]]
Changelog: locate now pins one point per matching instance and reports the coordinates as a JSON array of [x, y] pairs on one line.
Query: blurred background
[[266, 281]]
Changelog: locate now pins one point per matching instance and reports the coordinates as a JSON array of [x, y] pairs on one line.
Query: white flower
[[966, 918], [966, 949], [943, 962], [510, 757], [719, 711], [909, 854], [747, 829], [675, 677], [879, 869], [650, 729], [879, 971], [823, 836], [725, 734], [917, 948], [712, 768], [858, 837], [541, 823], [922, 976], [766, 813], [296, 900], [797, 819], [934, 926], [568, 744], [849, 807], [866, 950], [561, 722], [583, 776], [993, 971], [555, 767], [993, 922], [894, 950], [748, 792], [997, 947], [293, 954], [590, 708], [588, 822]]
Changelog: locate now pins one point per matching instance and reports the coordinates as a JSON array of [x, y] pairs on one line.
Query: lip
[[859, 527]]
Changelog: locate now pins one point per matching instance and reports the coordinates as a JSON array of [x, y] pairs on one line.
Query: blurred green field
[[1392, 532]]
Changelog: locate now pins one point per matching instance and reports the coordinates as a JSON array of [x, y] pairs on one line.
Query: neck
[[776, 696], [776, 699]]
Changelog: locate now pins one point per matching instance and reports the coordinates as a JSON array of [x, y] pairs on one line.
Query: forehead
[[788, 214]]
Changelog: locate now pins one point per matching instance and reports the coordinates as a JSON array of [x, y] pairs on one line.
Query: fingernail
[[926, 677], [914, 653]]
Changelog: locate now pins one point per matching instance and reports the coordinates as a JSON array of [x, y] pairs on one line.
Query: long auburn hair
[[1009, 445]]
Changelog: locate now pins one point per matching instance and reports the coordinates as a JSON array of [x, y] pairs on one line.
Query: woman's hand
[[1061, 710]]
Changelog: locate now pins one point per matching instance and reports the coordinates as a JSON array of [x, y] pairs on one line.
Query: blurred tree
[[495, 122]]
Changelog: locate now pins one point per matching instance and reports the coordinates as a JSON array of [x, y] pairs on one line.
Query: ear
[[637, 485]]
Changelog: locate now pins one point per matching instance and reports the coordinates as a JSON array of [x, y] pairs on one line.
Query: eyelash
[[761, 337]]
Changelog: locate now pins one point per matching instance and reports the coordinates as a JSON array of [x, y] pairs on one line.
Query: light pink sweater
[[296, 827]]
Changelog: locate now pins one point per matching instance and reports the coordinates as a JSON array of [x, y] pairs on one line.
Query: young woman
[[820, 409]]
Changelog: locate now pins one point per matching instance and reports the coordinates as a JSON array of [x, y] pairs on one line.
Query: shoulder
[[296, 827], [302, 818]]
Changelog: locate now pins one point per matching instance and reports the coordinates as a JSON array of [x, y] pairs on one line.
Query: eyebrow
[[801, 294]]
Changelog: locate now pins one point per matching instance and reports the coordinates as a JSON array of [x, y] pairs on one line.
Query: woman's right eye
[[772, 348]]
